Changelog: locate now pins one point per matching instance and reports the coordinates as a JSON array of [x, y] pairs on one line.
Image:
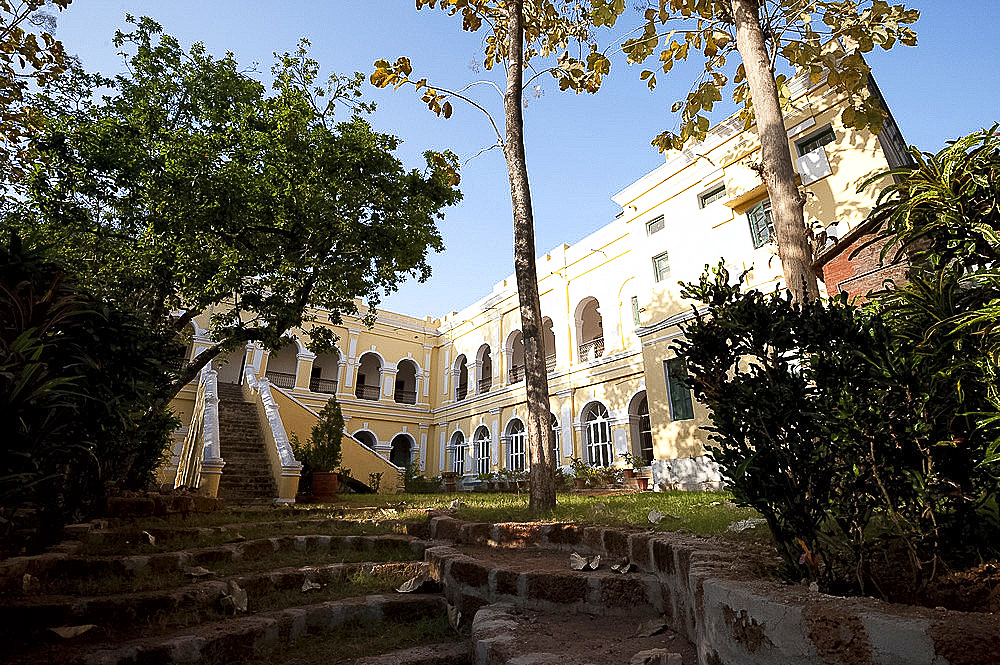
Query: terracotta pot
[[630, 473], [581, 483], [324, 485], [643, 483]]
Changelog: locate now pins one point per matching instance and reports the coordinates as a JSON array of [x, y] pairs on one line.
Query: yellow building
[[447, 394]]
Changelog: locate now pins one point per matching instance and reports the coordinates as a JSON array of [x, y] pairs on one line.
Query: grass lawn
[[702, 513]]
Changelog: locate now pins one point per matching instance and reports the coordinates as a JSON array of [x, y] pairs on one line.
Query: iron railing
[[592, 350], [405, 396], [367, 392], [280, 379], [485, 384], [516, 373], [328, 386]]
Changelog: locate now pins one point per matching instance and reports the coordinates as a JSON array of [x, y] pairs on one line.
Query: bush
[[322, 451], [850, 438], [419, 484], [81, 384]]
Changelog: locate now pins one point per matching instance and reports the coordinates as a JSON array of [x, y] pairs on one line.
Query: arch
[[517, 445], [403, 446], [367, 438], [514, 352], [230, 366], [556, 435], [481, 449], [325, 372], [596, 420], [589, 329], [484, 369], [405, 391], [369, 376], [549, 344], [282, 365], [461, 370], [458, 449], [639, 428]]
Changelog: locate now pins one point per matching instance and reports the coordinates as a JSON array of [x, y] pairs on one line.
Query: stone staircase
[[246, 478]]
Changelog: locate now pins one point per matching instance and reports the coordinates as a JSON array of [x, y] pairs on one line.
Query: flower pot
[[324, 485], [581, 483], [629, 473], [643, 483]]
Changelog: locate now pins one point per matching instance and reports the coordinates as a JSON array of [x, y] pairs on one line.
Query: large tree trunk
[[794, 248], [543, 490]]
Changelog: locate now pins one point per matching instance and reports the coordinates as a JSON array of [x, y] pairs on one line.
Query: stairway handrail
[[202, 439]]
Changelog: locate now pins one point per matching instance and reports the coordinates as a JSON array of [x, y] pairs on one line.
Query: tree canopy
[[189, 187]]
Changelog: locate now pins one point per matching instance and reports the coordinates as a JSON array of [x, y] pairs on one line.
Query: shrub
[[419, 484], [850, 439], [322, 451], [81, 388]]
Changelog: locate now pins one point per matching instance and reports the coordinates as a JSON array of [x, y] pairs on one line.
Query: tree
[[76, 382], [191, 189], [760, 32], [547, 27], [24, 60]]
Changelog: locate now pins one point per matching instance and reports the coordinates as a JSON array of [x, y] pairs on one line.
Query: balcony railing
[[516, 373], [485, 384], [550, 362], [592, 349], [367, 392], [280, 379], [406, 396], [328, 386]]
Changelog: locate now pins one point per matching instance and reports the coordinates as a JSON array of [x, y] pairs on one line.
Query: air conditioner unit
[[813, 165]]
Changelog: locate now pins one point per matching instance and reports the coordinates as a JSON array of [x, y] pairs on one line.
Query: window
[[598, 431], [761, 226], [712, 195], [678, 394], [654, 225], [556, 436], [815, 140], [635, 310], [661, 266], [481, 447], [516, 458], [458, 449]]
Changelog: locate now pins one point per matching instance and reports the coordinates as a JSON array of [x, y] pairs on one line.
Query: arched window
[[458, 450], [461, 378], [366, 438], [556, 437], [598, 435], [481, 449], [282, 365], [589, 329], [640, 430], [369, 377], [517, 458], [515, 357], [484, 369], [325, 369], [549, 343], [406, 382], [402, 450]]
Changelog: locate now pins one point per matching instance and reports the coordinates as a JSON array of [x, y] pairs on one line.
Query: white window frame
[[716, 192], [659, 275], [458, 450], [600, 449], [517, 446], [659, 222], [481, 449]]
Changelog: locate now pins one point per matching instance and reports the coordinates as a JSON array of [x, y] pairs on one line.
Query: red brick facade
[[861, 273]]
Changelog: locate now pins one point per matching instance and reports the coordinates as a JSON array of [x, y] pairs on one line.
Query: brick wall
[[862, 273]]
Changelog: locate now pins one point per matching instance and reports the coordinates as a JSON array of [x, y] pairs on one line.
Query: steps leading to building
[[246, 478]]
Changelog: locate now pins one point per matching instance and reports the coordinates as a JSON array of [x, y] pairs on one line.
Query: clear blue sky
[[581, 148]]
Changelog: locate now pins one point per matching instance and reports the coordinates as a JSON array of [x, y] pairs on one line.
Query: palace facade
[[447, 393]]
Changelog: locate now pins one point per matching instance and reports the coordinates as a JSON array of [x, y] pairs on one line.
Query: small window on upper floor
[[654, 225], [712, 195], [815, 140], [661, 267], [761, 226], [635, 309]]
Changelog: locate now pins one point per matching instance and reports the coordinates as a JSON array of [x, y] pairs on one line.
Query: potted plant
[[486, 481], [632, 464], [450, 479], [321, 454], [581, 473]]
